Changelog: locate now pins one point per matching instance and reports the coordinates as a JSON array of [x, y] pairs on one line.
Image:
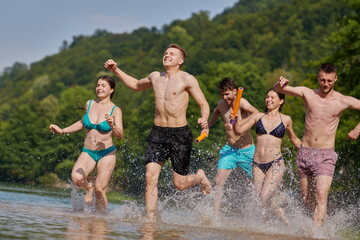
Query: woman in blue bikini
[[102, 119], [268, 164]]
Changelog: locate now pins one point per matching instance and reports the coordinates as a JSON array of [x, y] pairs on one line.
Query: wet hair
[[281, 96], [226, 84], [328, 68], [110, 81], [183, 52]]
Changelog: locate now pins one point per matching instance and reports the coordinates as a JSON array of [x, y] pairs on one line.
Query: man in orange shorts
[[316, 157]]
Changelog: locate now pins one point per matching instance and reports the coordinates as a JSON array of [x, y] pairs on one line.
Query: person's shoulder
[[244, 100], [155, 74], [285, 118], [306, 89], [117, 109], [187, 78], [309, 92], [88, 102], [345, 99], [339, 94], [186, 75]]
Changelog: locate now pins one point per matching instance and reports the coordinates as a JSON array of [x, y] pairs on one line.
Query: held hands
[[283, 82], [56, 129], [110, 65], [204, 125], [110, 120]]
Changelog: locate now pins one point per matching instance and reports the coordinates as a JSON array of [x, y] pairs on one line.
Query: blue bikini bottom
[[97, 155]]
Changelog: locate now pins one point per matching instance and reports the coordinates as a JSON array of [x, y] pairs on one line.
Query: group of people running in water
[[171, 138]]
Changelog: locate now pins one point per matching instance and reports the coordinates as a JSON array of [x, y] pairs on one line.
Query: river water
[[45, 214]]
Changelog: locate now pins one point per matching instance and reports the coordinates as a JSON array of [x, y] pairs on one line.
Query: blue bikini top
[[101, 127], [278, 132]]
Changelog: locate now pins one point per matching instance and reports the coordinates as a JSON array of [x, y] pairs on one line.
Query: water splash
[[77, 199], [241, 209], [242, 212]]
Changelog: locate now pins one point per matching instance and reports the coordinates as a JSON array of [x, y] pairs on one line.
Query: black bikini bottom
[[264, 167]]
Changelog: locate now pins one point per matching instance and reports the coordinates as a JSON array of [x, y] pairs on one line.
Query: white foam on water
[[77, 200], [242, 213]]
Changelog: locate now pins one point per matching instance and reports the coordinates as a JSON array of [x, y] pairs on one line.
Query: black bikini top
[[278, 132]]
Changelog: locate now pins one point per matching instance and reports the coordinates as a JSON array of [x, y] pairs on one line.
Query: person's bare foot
[[281, 214], [284, 219], [89, 195], [151, 216], [205, 185]]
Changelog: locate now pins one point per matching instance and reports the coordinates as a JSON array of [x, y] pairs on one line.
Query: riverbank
[[62, 191]]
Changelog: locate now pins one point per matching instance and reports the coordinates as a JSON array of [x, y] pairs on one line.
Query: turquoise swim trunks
[[231, 158]]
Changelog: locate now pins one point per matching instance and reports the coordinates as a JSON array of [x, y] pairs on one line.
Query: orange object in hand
[[236, 104], [200, 138]]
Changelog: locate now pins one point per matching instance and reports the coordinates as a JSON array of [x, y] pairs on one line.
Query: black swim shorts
[[170, 142]]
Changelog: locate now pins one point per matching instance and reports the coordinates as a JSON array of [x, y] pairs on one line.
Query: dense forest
[[254, 42]]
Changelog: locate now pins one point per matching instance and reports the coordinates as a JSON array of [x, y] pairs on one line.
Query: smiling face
[[228, 96], [173, 57], [103, 89], [326, 81], [273, 101]]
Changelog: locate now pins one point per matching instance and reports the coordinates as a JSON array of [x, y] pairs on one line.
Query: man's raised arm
[[129, 81], [282, 86]]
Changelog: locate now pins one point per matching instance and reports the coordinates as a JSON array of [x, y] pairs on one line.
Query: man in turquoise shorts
[[239, 149]]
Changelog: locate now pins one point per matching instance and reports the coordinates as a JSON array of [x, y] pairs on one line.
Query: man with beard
[[239, 148], [316, 157]]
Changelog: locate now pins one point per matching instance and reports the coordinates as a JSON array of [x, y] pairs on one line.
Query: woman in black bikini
[[268, 165]]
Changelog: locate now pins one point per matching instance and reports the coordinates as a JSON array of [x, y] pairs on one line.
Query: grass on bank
[[63, 191]]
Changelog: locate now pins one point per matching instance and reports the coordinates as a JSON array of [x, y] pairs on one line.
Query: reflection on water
[[80, 228], [150, 231], [184, 215]]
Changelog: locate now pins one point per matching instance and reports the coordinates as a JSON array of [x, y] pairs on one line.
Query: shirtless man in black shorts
[[170, 136]]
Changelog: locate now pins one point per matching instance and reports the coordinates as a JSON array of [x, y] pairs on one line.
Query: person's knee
[[77, 178], [321, 196], [151, 178]]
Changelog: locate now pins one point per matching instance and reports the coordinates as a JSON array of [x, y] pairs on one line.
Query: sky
[[33, 29]]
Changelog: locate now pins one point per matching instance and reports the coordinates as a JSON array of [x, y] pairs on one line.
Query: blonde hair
[[183, 52]]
